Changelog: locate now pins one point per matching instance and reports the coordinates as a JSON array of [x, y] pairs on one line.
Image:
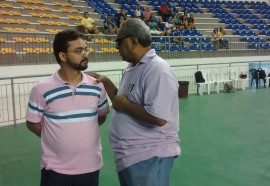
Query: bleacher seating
[[229, 13], [243, 19]]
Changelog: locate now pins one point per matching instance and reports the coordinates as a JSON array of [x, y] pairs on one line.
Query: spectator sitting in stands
[[138, 12], [164, 11], [224, 43], [147, 14], [109, 25], [215, 38], [186, 14], [169, 26], [122, 13], [176, 19], [153, 25], [191, 24], [183, 23], [88, 24], [177, 32], [119, 23], [171, 13]]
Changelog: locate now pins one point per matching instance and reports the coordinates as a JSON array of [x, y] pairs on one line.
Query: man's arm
[[122, 104], [83, 22], [101, 120], [110, 88], [34, 127]]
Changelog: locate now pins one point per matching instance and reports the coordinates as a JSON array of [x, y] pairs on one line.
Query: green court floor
[[225, 141]]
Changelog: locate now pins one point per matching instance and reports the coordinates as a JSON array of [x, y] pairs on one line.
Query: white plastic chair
[[221, 77], [266, 78], [235, 77], [207, 84]]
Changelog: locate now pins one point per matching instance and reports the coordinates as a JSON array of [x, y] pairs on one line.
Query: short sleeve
[[103, 106], [35, 107], [160, 92]]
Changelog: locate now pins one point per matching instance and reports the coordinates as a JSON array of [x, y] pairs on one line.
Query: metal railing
[[36, 48], [14, 91]]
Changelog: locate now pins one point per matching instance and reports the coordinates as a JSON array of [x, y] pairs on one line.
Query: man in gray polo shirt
[[145, 122]]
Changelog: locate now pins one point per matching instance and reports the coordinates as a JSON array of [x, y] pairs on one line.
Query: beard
[[83, 65]]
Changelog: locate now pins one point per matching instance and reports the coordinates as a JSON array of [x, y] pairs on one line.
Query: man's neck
[[72, 77]]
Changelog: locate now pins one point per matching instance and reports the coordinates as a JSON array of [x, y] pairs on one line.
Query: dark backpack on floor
[[199, 77]]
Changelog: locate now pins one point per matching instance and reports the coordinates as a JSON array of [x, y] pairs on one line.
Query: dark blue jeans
[[51, 178]]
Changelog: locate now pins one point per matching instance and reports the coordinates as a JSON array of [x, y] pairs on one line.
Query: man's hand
[[111, 89], [120, 103], [34, 127], [100, 78]]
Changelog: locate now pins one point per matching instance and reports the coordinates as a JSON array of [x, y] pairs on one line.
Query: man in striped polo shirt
[[65, 111]]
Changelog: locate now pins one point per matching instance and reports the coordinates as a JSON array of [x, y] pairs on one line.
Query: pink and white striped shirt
[[70, 138]]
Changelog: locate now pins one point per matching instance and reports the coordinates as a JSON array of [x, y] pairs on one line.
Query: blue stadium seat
[[130, 12], [196, 40], [175, 47], [188, 39], [187, 33], [154, 46], [162, 40], [265, 32], [244, 16], [250, 33], [264, 45], [195, 33], [248, 39], [196, 46], [251, 21], [262, 27], [243, 27], [185, 47], [252, 3], [206, 46], [210, 46], [232, 26], [239, 32], [167, 47], [205, 40], [259, 40], [167, 40], [266, 16], [125, 7]]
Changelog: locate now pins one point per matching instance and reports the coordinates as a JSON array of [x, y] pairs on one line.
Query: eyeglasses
[[80, 51], [119, 40]]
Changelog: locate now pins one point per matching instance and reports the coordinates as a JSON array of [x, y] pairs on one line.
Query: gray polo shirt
[[153, 85]]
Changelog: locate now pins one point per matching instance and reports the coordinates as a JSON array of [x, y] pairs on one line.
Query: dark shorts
[[52, 178]]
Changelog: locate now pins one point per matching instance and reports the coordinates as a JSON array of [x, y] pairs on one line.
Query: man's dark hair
[[60, 43]]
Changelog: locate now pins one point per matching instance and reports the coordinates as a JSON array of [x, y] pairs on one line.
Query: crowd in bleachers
[[161, 22], [218, 38], [165, 18], [164, 21]]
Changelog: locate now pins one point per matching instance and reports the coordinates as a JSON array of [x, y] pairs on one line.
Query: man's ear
[[62, 56], [135, 42]]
